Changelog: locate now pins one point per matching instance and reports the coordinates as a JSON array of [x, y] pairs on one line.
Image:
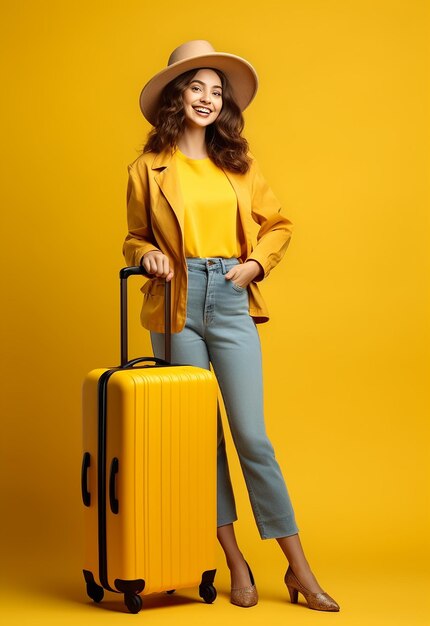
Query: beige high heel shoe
[[246, 596], [317, 601]]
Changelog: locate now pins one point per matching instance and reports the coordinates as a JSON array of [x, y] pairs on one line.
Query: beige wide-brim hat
[[193, 55]]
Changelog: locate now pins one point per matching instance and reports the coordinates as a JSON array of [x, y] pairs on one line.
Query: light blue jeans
[[219, 330]]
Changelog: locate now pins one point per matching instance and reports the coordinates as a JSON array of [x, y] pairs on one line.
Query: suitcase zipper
[[101, 474]]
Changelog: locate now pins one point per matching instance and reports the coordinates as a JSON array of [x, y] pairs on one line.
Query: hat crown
[[190, 49]]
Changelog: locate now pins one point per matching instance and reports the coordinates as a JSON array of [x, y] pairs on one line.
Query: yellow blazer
[[155, 214]]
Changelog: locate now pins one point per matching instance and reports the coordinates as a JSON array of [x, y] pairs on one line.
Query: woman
[[191, 197]]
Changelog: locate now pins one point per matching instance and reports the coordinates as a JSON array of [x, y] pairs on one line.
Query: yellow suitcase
[[149, 475]]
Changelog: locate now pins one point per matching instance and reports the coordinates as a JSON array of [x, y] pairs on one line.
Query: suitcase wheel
[[95, 592], [133, 602], [208, 593]]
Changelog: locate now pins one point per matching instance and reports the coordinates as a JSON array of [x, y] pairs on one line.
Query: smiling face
[[203, 98]]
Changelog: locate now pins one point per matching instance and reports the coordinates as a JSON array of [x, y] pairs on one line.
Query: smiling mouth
[[202, 111]]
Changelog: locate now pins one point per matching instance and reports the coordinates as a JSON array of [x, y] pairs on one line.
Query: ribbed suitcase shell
[[160, 425]]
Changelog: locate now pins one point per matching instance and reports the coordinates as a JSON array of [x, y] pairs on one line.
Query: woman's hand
[[155, 262], [244, 273]]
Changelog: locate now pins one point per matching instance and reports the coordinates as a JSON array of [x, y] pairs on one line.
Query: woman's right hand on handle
[[157, 263]]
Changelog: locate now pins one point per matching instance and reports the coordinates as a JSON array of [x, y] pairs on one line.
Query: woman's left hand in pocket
[[244, 273]]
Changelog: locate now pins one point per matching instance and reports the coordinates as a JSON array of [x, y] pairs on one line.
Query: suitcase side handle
[[86, 462], [113, 500], [125, 273]]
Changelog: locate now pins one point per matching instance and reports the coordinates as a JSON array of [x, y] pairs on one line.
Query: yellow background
[[341, 124]]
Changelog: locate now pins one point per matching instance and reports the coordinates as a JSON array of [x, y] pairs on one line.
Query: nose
[[205, 98]]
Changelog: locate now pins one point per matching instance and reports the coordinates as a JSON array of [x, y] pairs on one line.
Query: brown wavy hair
[[224, 143]]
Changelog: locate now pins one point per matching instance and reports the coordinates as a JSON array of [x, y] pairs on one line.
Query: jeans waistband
[[211, 264]]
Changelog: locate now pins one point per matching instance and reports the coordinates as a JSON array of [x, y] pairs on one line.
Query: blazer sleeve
[[275, 230], [140, 238]]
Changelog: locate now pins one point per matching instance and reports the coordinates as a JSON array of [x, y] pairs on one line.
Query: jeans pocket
[[238, 288]]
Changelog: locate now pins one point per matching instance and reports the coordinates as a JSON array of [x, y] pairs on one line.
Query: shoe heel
[[294, 594]]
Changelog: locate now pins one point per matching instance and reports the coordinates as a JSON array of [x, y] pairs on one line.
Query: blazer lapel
[[168, 182]]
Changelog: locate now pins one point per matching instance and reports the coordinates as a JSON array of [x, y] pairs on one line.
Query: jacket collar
[[166, 177], [162, 159]]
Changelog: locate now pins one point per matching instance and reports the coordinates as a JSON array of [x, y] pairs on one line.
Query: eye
[[217, 93], [195, 88]]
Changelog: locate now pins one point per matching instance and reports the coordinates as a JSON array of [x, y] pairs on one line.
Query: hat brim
[[240, 74]]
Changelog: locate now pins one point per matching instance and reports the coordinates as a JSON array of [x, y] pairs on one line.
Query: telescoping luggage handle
[[124, 274]]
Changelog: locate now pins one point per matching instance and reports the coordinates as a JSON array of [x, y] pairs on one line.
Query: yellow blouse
[[211, 217]]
